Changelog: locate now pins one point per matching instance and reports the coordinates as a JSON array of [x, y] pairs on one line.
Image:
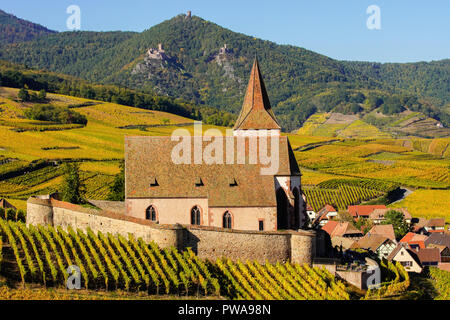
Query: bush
[[42, 95], [24, 95], [21, 216], [72, 187], [55, 114], [10, 215]]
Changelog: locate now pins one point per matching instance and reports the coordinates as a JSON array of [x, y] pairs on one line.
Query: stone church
[[223, 194]]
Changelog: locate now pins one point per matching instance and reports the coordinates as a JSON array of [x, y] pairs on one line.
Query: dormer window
[[199, 182], [153, 182]]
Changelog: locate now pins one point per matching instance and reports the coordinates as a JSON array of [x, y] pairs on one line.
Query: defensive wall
[[208, 242]]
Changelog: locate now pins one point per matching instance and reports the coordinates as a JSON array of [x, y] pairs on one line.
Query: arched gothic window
[[195, 215], [150, 213], [227, 220]]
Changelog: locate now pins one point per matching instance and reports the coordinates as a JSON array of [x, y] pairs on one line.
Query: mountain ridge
[[300, 82]]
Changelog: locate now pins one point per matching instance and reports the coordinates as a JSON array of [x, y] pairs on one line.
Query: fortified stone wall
[[207, 242]]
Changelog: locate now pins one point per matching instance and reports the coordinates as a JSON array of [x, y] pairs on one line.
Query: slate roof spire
[[256, 112]]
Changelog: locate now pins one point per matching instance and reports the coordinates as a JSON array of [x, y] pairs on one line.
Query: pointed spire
[[256, 112]]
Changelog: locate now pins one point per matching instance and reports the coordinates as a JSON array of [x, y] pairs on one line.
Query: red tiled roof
[[363, 210], [256, 112], [340, 229], [326, 209], [330, 226], [412, 238]]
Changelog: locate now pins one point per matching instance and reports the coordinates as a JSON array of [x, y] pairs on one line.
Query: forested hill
[[196, 66], [13, 29]]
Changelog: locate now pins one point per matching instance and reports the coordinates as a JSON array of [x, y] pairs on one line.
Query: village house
[[385, 230], [436, 225], [414, 240], [442, 242], [363, 211], [378, 215], [429, 257], [379, 245], [325, 214], [310, 212], [342, 229], [224, 193], [419, 225], [406, 257]]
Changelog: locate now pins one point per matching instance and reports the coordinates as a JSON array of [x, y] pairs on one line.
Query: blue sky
[[411, 30]]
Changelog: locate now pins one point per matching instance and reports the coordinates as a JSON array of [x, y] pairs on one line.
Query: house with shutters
[[224, 192], [407, 257]]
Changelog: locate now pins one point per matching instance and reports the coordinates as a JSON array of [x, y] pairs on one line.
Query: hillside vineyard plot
[[108, 262], [341, 197]]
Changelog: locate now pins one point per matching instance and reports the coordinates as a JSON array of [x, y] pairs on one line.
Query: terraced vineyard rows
[[442, 279], [106, 262], [47, 180], [251, 280], [340, 198]]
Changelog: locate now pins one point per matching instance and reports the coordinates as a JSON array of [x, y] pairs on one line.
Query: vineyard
[[442, 283], [280, 281], [26, 181], [340, 198], [397, 281], [106, 262]]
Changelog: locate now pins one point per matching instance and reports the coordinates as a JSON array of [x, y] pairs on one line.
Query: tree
[[397, 219], [21, 216], [364, 225], [345, 216], [117, 190], [24, 95], [10, 215], [72, 187], [42, 95]]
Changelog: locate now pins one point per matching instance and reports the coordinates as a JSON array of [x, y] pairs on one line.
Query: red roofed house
[[229, 190], [363, 210], [325, 214], [435, 226], [414, 240], [341, 229]]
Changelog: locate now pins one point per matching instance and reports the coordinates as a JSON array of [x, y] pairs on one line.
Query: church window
[[195, 215], [150, 213], [227, 220]]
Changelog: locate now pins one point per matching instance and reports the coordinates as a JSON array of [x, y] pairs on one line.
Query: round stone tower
[[303, 246], [39, 211]]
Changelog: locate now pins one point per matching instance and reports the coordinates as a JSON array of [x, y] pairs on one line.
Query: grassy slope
[[322, 158], [101, 141]]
